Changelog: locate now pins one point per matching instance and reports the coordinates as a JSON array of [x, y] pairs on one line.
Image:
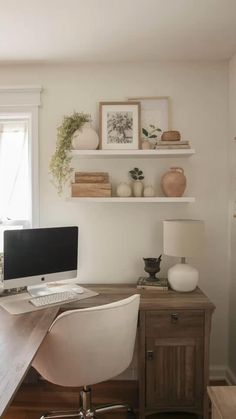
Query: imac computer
[[33, 257]]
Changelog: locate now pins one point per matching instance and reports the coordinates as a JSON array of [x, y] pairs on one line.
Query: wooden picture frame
[[119, 125], [155, 110]]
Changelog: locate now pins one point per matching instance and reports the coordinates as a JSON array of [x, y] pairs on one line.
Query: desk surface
[[150, 299], [22, 335], [20, 338], [223, 399]]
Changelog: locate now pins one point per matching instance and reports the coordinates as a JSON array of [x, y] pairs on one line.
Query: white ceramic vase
[[148, 191], [85, 139], [137, 188], [183, 277], [123, 190]]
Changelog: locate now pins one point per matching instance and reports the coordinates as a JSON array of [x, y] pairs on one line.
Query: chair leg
[[62, 414], [86, 411], [111, 407]]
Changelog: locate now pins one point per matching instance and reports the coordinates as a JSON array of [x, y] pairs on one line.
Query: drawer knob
[[150, 355], [174, 317]]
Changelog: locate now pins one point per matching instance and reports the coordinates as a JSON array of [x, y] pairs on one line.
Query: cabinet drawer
[[175, 323]]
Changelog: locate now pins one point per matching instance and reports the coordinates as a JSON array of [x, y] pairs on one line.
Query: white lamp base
[[183, 277]]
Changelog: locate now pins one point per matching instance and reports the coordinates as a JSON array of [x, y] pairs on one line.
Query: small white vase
[[123, 190], [137, 188], [148, 191], [85, 139]]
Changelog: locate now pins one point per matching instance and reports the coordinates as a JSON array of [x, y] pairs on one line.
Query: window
[[18, 157], [14, 169]]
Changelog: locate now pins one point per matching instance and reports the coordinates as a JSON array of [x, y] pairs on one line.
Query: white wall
[[232, 310], [114, 238]]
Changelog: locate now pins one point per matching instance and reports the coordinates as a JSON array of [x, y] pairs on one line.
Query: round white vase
[[85, 139], [137, 188], [123, 190], [183, 277], [148, 191]]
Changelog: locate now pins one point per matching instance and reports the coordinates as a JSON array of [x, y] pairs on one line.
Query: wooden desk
[[173, 334], [223, 401], [20, 338]]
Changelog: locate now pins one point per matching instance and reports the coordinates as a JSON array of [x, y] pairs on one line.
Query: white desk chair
[[88, 346]]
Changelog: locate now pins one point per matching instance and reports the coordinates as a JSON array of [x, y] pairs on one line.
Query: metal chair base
[[86, 411]]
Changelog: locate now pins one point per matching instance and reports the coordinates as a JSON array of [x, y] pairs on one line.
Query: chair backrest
[[91, 345]]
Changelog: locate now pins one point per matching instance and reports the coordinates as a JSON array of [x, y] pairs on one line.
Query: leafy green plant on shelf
[[151, 134], [136, 174], [60, 163]]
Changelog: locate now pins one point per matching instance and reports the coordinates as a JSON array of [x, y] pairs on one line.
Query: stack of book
[[166, 145], [91, 184], [158, 285]]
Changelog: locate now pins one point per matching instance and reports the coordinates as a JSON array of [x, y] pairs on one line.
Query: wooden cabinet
[[174, 347], [174, 358]]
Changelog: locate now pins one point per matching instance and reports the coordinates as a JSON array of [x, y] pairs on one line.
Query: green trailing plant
[[151, 133], [60, 163], [136, 174]]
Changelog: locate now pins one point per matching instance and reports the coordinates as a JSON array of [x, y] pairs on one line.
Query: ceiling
[[116, 30]]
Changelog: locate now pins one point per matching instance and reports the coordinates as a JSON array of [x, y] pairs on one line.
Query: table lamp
[[183, 238]]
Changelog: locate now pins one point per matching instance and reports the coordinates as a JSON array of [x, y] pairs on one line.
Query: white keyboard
[[45, 300]]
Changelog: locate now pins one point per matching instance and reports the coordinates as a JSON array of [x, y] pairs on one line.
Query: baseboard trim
[[222, 372], [218, 372], [230, 377]]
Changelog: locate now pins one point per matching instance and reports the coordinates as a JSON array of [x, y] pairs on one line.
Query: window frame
[[24, 101]]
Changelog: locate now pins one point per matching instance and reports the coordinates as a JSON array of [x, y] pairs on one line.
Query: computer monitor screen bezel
[[45, 277]]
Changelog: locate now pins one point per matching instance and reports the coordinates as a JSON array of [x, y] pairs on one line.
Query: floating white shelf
[[134, 153], [132, 200]]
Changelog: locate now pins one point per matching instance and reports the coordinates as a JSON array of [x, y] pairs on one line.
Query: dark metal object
[[152, 266], [174, 317], [150, 355], [87, 411]]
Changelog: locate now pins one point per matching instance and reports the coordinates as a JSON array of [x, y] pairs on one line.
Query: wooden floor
[[33, 400]]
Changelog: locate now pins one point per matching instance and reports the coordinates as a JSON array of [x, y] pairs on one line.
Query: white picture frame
[[154, 111], [119, 125]]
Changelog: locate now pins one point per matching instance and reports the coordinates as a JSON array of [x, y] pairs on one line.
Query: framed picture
[[155, 112], [119, 125]]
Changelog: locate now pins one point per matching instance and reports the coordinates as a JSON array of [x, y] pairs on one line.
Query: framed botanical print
[[119, 125]]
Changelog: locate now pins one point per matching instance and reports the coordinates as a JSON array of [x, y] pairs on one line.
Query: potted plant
[[137, 176], [60, 163], [151, 134]]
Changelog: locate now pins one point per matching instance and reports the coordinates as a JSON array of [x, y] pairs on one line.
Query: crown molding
[[20, 95]]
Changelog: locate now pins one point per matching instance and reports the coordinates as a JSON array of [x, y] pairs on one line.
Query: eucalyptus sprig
[[60, 161], [136, 174]]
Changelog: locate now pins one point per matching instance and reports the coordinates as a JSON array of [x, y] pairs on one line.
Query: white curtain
[[14, 170]]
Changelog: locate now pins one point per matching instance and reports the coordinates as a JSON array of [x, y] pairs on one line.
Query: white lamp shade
[[183, 238]]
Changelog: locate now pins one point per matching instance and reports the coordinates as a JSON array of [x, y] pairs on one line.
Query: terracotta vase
[[173, 182]]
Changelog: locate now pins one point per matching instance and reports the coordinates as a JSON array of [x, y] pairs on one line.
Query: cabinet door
[[174, 360], [174, 374]]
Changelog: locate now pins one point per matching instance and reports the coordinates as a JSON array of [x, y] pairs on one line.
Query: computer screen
[[34, 256]]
